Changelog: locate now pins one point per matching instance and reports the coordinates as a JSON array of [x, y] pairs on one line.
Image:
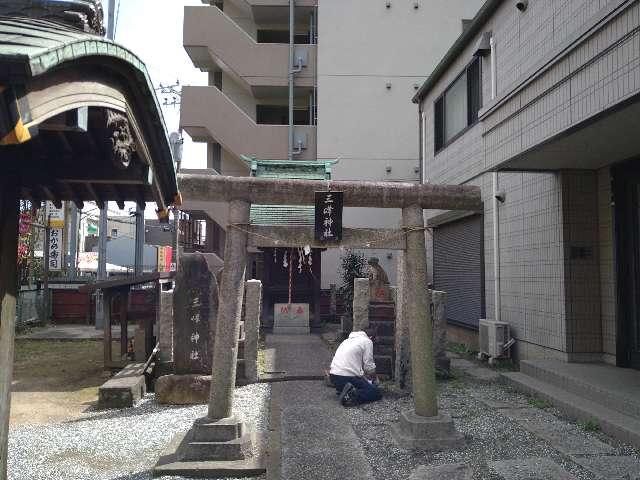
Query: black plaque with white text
[[328, 216]]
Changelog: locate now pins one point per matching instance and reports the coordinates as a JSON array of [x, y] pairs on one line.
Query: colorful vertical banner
[[165, 257]]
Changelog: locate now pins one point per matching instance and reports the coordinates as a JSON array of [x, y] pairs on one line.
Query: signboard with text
[[328, 216], [55, 249], [55, 215]]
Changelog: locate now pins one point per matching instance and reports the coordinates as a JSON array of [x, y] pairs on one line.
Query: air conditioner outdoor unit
[[495, 340]]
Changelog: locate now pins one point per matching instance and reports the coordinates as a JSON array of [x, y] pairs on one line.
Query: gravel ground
[[490, 434], [115, 444]]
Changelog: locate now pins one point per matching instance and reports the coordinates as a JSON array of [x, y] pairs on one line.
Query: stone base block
[[189, 389], [183, 389], [226, 429], [173, 462], [235, 449], [426, 433]]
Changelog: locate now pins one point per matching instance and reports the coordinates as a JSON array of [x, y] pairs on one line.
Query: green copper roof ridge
[[251, 160]]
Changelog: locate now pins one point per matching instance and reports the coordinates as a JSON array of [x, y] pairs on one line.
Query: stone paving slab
[[318, 441], [611, 467], [482, 374], [453, 471], [530, 469], [296, 356], [546, 426]]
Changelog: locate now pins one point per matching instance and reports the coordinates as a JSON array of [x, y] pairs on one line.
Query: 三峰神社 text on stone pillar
[[222, 436]]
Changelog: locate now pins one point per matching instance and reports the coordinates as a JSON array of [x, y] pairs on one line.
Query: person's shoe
[[348, 396]]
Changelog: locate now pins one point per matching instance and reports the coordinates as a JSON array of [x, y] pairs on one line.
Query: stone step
[[613, 387], [623, 427], [124, 389]]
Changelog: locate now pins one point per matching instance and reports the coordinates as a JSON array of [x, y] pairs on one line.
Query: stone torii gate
[[422, 427]]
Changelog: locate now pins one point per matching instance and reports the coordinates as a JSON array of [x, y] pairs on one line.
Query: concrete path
[[295, 357], [312, 429]]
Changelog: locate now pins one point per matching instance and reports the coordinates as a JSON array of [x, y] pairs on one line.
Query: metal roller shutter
[[458, 269]]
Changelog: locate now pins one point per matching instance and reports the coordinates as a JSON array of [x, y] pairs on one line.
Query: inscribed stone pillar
[[195, 306], [402, 372], [418, 314], [333, 301], [8, 295], [438, 302], [165, 323], [253, 307], [361, 297], [225, 349]]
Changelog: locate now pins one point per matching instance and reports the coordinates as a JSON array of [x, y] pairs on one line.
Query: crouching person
[[353, 371]]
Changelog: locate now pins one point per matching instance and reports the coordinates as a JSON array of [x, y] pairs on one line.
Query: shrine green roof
[[285, 215]]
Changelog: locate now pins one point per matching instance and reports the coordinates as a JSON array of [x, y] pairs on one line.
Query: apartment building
[[538, 104], [316, 80]]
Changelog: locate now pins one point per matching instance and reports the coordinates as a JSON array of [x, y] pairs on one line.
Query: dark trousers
[[365, 391]]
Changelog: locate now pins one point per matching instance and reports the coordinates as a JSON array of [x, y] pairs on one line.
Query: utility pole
[[73, 241], [45, 271], [176, 141], [139, 251], [111, 15], [104, 211]]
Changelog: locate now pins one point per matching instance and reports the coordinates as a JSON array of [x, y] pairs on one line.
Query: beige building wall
[[371, 59]]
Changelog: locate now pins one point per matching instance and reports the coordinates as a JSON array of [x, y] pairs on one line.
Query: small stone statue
[[378, 282]]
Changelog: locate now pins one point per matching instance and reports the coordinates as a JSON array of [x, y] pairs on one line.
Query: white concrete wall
[[362, 46]]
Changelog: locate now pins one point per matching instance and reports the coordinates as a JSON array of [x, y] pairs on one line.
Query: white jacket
[[354, 356]]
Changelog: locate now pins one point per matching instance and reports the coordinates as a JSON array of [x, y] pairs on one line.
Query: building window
[[114, 233], [457, 109]]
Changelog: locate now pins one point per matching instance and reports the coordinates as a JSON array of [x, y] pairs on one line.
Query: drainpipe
[[496, 246], [494, 69], [496, 202], [292, 18]]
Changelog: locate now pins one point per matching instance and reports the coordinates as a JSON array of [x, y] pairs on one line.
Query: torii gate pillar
[[421, 428]]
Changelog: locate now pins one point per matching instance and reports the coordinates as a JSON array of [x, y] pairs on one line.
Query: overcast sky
[[152, 29]]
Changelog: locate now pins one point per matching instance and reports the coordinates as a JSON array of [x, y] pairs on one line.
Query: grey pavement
[[316, 435], [295, 356]]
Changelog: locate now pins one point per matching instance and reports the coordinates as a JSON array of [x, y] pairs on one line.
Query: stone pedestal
[[360, 304], [214, 449], [291, 319], [426, 433]]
